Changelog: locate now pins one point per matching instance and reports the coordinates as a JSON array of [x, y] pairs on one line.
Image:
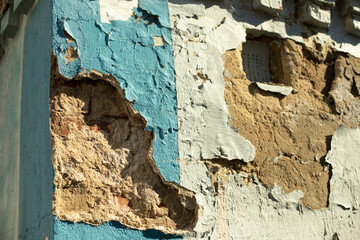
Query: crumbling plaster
[[144, 69], [103, 164], [125, 49], [235, 209], [209, 148]]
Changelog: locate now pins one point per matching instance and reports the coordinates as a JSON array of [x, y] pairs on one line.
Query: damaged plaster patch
[[159, 41], [102, 157], [345, 87], [259, 212], [70, 54], [284, 90], [296, 127], [125, 50], [116, 9], [253, 210], [200, 90], [345, 161]]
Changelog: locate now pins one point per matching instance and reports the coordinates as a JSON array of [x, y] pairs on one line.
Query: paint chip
[[159, 41]]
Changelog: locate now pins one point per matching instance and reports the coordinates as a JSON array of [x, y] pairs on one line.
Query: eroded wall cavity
[[291, 134], [102, 157]]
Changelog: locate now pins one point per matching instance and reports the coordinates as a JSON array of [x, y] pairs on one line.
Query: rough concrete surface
[[102, 156]]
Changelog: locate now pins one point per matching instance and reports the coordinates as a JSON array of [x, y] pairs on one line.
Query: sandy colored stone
[[103, 163], [291, 134], [70, 54]]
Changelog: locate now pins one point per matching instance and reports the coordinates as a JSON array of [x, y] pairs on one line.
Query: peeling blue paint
[[111, 230], [125, 49]]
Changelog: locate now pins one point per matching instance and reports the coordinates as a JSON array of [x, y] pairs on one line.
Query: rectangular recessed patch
[[255, 56]]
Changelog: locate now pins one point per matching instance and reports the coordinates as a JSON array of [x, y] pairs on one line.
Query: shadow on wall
[[36, 174]]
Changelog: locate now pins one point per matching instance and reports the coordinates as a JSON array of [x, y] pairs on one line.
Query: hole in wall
[[103, 164]]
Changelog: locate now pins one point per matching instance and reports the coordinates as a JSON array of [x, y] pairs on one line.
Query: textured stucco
[[258, 212], [102, 157], [169, 59], [125, 50]]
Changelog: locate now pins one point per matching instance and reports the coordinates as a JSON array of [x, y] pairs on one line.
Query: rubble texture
[[102, 156], [290, 133]]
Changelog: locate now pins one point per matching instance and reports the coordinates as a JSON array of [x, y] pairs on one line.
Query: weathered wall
[[276, 192], [137, 53], [255, 156], [182, 119]]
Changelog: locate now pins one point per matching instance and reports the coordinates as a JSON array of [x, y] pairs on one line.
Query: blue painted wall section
[[124, 49], [36, 175], [111, 230]]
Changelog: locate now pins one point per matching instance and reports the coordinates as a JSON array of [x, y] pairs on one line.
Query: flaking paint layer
[[102, 157], [126, 50]]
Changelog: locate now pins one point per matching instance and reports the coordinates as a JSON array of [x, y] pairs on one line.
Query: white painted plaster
[[316, 16], [205, 131], [116, 9], [205, 197], [284, 90], [344, 158]]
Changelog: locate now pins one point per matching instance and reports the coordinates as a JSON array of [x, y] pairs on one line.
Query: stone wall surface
[[175, 119]]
